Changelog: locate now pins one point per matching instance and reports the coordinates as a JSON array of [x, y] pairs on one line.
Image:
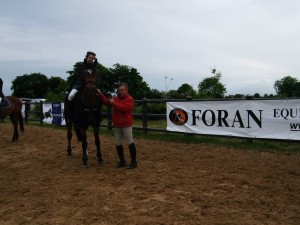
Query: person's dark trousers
[[122, 161], [132, 150]]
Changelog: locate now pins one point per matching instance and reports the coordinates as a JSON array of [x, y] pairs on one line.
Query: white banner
[[53, 113], [272, 119]]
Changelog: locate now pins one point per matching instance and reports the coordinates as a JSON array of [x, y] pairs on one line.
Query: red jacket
[[122, 114]]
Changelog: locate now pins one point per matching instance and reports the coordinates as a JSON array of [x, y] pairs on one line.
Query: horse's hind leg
[[98, 145], [84, 149], [15, 123], [15, 136], [69, 136]]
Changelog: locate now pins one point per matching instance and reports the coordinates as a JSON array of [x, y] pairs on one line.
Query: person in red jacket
[[122, 118]]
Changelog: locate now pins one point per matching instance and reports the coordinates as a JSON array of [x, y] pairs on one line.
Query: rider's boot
[[122, 161], [132, 150]]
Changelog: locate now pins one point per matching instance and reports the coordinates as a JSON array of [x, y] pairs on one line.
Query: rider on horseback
[[1, 93], [88, 65]]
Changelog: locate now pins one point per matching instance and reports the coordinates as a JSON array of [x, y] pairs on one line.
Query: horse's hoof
[[69, 157], [84, 166], [100, 162]]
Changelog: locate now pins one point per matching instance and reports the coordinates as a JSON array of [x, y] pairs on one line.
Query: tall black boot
[[132, 151], [122, 161], [68, 108]]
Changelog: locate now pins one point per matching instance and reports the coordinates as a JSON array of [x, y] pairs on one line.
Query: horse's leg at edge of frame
[[98, 144], [21, 122], [69, 136], [15, 121], [84, 147]]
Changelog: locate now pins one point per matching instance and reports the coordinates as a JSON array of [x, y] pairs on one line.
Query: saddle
[[5, 103]]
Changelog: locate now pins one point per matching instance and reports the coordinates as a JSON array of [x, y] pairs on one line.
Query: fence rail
[[34, 112]]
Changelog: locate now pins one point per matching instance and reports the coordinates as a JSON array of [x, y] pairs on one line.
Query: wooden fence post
[[27, 108], [41, 112], [109, 117], [145, 121]]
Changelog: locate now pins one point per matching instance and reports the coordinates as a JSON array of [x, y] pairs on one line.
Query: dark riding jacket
[[80, 71], [1, 85]]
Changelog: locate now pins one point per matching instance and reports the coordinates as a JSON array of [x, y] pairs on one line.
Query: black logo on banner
[[178, 116]]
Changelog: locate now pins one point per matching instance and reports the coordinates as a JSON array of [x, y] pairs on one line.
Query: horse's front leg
[[84, 149], [98, 145]]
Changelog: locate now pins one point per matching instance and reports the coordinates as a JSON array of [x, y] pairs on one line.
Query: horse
[[82, 112], [12, 106]]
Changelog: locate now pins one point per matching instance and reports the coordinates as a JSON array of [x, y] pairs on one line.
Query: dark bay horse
[[84, 111], [12, 106]]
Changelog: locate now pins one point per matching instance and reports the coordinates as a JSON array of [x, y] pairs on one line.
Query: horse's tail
[[21, 122]]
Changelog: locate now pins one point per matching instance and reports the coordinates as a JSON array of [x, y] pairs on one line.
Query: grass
[[257, 144]]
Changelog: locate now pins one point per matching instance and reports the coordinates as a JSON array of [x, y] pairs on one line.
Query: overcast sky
[[252, 43]]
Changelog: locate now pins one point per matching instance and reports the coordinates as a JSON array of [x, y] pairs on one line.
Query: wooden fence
[[34, 112]]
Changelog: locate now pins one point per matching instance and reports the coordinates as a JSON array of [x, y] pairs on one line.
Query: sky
[[252, 43]]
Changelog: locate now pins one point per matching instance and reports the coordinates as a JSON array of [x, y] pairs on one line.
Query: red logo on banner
[[178, 116]]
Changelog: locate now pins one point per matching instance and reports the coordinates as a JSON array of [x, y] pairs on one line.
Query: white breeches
[[124, 132], [72, 94]]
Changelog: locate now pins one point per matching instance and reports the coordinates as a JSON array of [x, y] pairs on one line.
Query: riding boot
[[122, 161], [132, 151], [68, 107]]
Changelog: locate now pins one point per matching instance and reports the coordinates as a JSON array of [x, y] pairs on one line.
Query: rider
[[1, 93], [90, 65]]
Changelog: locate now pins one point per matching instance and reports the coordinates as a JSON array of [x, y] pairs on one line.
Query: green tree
[[173, 94], [256, 95], [108, 83], [155, 94], [138, 88], [239, 96], [297, 89], [269, 96], [34, 85], [186, 90], [287, 87], [211, 87], [56, 89]]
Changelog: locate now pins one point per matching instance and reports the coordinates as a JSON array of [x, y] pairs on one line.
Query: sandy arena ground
[[173, 184]]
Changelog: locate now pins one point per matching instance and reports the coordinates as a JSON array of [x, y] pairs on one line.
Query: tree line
[[38, 85]]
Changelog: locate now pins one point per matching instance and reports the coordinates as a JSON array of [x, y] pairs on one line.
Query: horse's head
[[90, 80], [89, 95]]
